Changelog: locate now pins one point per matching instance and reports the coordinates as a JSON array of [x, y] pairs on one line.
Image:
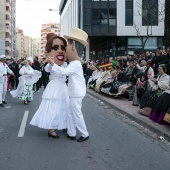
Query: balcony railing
[[8, 13], [8, 30], [8, 39], [8, 48], [8, 22], [8, 5]]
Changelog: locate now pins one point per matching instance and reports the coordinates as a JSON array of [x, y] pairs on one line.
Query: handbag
[[167, 118]]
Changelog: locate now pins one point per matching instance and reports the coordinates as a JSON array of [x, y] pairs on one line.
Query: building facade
[[27, 46], [7, 28], [2, 27], [36, 47], [47, 28], [13, 28], [20, 47], [115, 27]]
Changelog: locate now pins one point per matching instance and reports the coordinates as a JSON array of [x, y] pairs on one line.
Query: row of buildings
[[7, 27], [13, 42], [115, 27]]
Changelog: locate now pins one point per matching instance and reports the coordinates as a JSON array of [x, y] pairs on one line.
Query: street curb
[[139, 121]]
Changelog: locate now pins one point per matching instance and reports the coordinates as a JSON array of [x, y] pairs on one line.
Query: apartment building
[[20, 47], [27, 46], [114, 26], [36, 47], [13, 28], [7, 28], [47, 28], [2, 26]]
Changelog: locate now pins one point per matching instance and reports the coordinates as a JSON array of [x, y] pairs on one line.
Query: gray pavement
[[124, 106], [116, 141]]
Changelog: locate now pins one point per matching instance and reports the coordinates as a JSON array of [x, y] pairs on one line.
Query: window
[[134, 42], [151, 43], [112, 16], [149, 12], [128, 12], [104, 16], [96, 16]]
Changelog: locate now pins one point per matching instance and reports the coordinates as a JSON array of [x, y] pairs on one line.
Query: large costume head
[[55, 48], [77, 39]]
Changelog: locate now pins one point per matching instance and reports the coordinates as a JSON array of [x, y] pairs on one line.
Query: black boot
[[1, 105]]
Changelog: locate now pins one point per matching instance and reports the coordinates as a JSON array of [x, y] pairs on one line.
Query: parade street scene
[[85, 84]]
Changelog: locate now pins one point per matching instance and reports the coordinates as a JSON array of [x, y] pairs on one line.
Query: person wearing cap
[[4, 69], [77, 39]]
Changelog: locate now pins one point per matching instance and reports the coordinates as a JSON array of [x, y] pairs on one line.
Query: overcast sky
[[31, 14]]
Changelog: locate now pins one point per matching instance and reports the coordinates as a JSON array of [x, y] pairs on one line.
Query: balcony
[[8, 4], [8, 12], [8, 22], [8, 30], [8, 8], [8, 39], [8, 48]]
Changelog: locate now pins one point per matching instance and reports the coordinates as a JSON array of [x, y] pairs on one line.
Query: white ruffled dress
[[52, 111]]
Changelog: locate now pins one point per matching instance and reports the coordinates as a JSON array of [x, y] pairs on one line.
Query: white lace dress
[[52, 111]]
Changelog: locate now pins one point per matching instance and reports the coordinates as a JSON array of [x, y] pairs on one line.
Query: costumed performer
[[52, 111], [77, 39], [4, 69], [28, 77]]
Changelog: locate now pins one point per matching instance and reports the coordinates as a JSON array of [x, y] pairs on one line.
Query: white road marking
[[23, 124], [7, 107]]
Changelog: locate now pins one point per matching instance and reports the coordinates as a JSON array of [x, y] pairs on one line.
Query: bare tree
[[152, 13]]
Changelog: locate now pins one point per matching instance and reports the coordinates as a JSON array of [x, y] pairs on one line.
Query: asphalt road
[[116, 142]]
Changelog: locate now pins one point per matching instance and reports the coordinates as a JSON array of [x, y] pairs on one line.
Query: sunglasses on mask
[[57, 47]]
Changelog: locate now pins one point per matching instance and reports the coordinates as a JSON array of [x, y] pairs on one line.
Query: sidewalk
[[125, 106]]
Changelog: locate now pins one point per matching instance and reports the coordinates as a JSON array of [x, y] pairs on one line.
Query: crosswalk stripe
[[23, 124]]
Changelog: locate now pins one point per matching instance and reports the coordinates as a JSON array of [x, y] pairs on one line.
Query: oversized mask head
[[77, 39], [55, 48]]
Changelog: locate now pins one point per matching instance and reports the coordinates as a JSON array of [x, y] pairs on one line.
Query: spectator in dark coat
[[36, 66], [84, 65], [16, 72], [45, 75]]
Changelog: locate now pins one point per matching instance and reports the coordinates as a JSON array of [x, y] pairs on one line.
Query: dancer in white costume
[[4, 69], [51, 113], [28, 77], [77, 39]]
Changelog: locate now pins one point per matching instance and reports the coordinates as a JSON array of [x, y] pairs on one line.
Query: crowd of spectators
[[147, 75]]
